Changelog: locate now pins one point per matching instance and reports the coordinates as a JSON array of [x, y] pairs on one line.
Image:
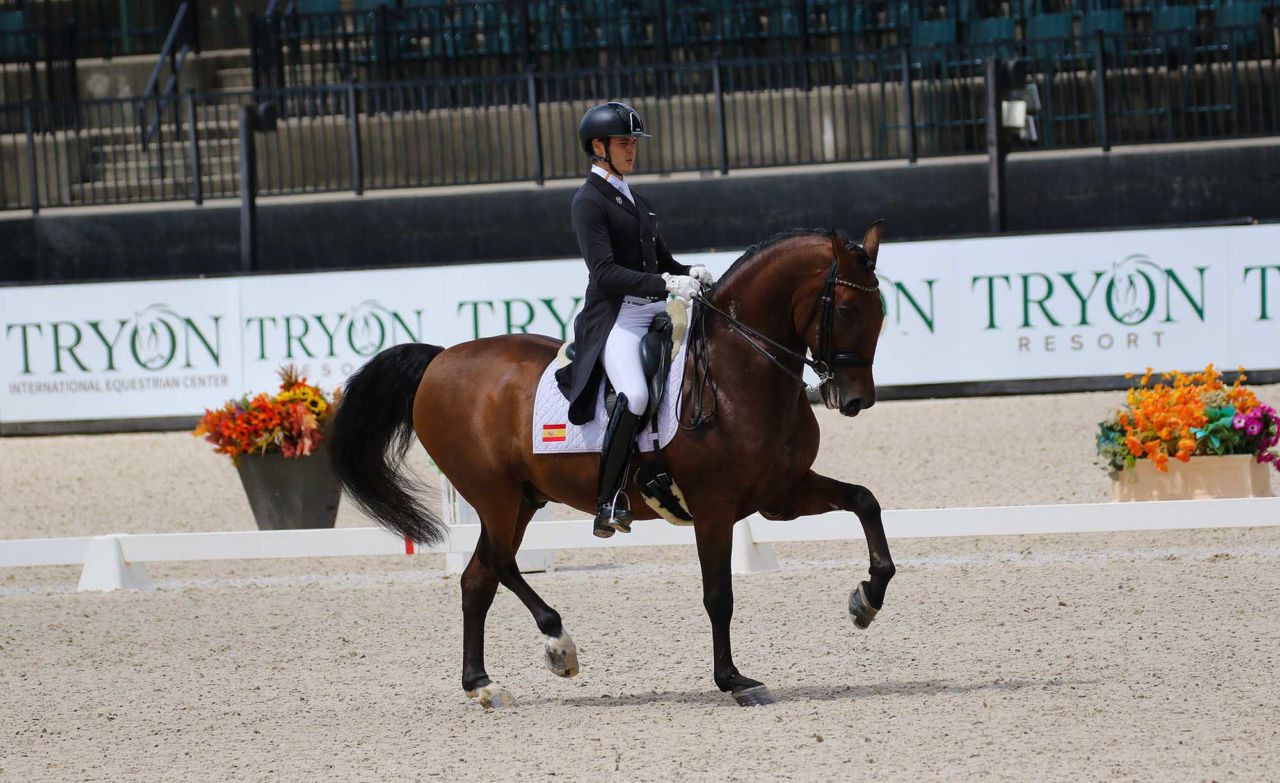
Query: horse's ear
[[871, 241]]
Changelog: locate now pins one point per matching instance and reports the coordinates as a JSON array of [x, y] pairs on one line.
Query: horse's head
[[843, 323]]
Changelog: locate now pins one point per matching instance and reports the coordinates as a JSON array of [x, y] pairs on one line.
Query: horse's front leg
[[817, 494], [715, 550]]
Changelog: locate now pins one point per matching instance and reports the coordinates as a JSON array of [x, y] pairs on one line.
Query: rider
[[630, 273]]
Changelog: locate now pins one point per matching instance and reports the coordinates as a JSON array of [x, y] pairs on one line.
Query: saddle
[[656, 349]]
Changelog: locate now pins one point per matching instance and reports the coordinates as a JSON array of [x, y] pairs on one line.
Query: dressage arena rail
[[115, 562]]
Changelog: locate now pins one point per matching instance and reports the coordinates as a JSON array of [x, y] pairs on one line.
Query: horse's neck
[[762, 298]]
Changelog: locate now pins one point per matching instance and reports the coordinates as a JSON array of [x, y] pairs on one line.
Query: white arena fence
[[113, 562]]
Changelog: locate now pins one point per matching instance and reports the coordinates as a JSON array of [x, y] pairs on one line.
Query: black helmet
[[609, 119]]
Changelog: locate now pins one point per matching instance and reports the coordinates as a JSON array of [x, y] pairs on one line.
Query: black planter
[[290, 494]]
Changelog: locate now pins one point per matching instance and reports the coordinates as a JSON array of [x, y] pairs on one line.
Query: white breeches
[[622, 351]]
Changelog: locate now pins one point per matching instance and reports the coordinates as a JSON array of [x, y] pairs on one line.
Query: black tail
[[370, 434]]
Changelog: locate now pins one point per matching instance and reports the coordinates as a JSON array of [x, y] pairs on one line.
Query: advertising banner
[[974, 310], [118, 350]]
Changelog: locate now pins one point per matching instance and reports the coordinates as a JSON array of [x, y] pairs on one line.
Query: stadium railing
[[1100, 90]]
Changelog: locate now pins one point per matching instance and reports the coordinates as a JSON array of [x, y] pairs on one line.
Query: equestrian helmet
[[609, 119]]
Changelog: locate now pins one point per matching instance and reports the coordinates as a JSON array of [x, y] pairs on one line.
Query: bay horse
[[749, 450]]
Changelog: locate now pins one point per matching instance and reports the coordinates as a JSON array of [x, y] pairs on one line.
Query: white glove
[[701, 274], [683, 286]]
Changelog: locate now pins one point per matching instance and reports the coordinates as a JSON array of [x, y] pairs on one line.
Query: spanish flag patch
[[553, 433]]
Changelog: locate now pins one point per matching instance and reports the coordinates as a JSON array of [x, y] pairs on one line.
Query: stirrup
[[610, 519], [622, 517]]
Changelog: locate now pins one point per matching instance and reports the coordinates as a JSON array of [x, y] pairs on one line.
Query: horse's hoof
[[756, 696], [561, 655], [860, 608], [493, 696]]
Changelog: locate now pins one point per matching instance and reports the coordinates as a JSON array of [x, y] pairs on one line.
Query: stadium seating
[[1058, 25], [13, 41], [1108, 20], [991, 30], [1240, 13], [317, 6], [933, 33], [562, 30]]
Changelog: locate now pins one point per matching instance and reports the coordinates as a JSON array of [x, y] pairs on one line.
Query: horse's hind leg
[[479, 584], [494, 561], [817, 495]]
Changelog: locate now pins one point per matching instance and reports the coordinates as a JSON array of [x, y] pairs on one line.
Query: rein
[[827, 359], [754, 338]]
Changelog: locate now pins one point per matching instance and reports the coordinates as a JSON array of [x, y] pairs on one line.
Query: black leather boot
[[612, 512]]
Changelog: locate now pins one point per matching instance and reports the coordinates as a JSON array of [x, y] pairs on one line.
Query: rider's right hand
[[682, 286]]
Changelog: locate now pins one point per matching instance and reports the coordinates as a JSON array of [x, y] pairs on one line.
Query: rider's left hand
[[701, 274]]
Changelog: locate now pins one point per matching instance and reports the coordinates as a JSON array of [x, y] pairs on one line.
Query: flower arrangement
[[1186, 416], [291, 422]]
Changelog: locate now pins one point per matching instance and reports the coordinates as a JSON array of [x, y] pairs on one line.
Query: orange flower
[[1159, 418], [291, 421]]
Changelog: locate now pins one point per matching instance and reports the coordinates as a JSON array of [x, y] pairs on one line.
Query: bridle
[[827, 360]]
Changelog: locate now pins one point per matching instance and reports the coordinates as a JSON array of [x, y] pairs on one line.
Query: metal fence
[[1099, 91]]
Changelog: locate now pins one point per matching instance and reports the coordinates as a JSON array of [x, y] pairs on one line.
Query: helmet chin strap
[[608, 160]]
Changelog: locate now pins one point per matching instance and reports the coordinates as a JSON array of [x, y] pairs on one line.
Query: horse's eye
[[844, 309]]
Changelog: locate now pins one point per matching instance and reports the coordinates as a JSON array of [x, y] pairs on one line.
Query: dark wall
[[1184, 184], [938, 198]]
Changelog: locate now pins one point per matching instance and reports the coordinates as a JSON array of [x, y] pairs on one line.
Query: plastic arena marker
[[105, 568], [748, 556]]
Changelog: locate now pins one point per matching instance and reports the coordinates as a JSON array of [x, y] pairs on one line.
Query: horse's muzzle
[[851, 407]]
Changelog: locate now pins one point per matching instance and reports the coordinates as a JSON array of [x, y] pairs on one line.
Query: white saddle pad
[[554, 434]]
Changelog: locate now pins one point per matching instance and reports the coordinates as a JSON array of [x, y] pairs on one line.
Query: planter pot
[[290, 494], [1234, 476]]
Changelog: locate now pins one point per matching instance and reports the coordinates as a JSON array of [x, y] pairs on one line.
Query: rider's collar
[[605, 174]]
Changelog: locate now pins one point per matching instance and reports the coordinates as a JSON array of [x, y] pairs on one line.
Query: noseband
[[827, 360]]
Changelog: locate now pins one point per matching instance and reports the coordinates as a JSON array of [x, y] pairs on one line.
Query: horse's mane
[[755, 250]]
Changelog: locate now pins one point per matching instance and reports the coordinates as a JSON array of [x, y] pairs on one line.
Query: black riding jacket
[[625, 255]]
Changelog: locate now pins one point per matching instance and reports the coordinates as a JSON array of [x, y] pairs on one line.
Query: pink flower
[[1239, 421], [1253, 427]]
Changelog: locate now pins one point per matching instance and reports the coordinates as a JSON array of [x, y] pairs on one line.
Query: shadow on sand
[[814, 693]]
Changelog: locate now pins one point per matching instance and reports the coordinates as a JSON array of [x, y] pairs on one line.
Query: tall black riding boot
[[612, 511]]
